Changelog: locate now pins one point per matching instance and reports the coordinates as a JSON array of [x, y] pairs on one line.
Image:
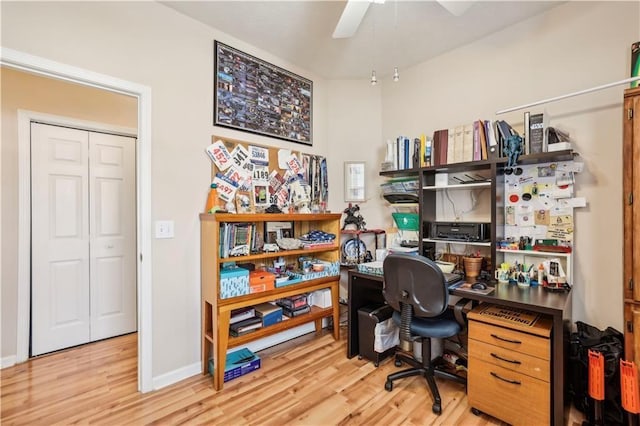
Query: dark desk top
[[544, 301]]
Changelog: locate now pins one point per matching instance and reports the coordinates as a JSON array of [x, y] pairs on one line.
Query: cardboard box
[[234, 281], [321, 298], [270, 313], [238, 364], [260, 281]]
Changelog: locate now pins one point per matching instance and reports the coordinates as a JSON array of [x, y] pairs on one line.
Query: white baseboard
[[176, 375], [8, 361], [255, 346]]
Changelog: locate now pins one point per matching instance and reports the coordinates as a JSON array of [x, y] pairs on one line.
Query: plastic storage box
[[406, 221], [234, 281]]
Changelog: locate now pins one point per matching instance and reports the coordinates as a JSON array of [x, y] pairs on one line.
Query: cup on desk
[[502, 275], [381, 254]]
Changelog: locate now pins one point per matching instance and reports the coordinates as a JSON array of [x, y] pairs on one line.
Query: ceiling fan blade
[[456, 8], [351, 17]]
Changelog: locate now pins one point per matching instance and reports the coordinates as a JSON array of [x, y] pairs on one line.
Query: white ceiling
[[397, 33]]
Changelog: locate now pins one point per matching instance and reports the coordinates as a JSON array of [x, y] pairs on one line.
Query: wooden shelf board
[[278, 293], [358, 232], [543, 157], [534, 253], [285, 324], [470, 243], [270, 217], [275, 254], [459, 186]]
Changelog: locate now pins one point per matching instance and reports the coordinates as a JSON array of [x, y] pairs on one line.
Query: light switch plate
[[164, 229]]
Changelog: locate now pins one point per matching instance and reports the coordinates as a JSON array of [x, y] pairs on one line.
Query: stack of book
[[475, 141], [243, 321], [294, 305]]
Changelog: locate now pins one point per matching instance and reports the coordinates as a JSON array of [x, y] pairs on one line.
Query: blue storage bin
[[234, 281]]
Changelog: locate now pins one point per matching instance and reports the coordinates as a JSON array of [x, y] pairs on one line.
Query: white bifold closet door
[[83, 237]]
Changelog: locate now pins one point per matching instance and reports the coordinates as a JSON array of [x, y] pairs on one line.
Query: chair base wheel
[[388, 385], [437, 409], [397, 363], [475, 411]]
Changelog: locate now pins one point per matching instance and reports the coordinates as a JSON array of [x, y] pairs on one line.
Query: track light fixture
[[374, 80], [396, 75]]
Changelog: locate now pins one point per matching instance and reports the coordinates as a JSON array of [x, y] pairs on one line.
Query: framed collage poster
[[258, 97]]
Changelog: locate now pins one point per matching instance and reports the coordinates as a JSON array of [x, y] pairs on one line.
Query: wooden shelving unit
[[216, 312]]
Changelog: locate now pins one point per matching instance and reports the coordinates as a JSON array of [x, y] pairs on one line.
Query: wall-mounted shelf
[[468, 243], [458, 186], [535, 253]]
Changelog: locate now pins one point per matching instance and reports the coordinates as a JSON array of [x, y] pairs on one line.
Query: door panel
[[83, 237], [113, 235], [60, 238]]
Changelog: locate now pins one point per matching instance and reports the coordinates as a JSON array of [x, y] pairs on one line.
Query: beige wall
[[25, 91], [150, 44], [575, 46]]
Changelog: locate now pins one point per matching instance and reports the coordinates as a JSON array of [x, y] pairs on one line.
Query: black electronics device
[[460, 231]]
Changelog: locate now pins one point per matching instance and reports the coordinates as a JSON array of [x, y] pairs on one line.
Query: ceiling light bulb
[[374, 80], [396, 75]]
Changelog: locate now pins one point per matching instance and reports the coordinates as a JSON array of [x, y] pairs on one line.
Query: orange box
[[260, 281]]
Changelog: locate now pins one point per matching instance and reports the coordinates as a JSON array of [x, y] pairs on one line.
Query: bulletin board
[[253, 177], [539, 201]]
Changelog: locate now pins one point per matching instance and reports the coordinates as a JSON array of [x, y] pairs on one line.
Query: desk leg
[[362, 292], [335, 302], [557, 394], [352, 325]]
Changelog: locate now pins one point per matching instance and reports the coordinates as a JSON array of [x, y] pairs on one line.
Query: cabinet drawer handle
[[512, 361], [513, 382], [518, 342]]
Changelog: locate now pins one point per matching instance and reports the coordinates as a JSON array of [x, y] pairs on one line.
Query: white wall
[[150, 44], [575, 46], [354, 114]]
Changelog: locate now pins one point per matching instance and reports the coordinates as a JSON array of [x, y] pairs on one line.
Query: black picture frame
[[255, 96]]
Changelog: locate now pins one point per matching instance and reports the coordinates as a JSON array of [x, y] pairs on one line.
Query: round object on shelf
[[445, 266], [353, 251]]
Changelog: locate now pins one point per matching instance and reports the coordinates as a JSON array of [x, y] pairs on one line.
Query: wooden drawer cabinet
[[511, 340], [509, 366], [515, 361], [507, 395]]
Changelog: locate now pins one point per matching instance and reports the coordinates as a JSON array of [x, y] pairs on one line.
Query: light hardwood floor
[[307, 381]]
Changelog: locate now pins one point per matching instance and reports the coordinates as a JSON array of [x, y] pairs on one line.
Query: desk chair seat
[[416, 289]]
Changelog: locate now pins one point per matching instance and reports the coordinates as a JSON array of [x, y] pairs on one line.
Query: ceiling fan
[[355, 10]]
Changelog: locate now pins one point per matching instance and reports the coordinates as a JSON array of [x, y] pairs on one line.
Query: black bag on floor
[[610, 343]]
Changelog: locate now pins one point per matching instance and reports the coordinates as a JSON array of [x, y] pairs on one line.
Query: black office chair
[[416, 289]]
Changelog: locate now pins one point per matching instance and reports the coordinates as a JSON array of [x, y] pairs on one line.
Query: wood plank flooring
[[306, 381]]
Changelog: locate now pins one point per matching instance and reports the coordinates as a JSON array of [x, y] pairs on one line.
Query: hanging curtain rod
[[569, 95]]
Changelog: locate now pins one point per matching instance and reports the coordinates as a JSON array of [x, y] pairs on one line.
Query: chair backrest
[[415, 280]]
